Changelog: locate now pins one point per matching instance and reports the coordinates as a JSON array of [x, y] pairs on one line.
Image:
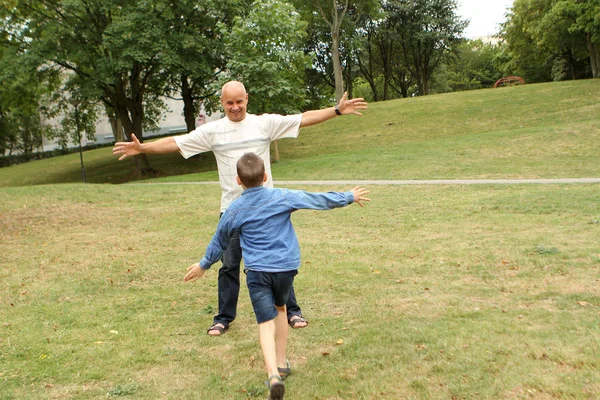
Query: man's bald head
[[234, 100]]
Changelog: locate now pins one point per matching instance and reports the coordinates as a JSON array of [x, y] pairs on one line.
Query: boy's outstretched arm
[[214, 251], [359, 195], [195, 271]]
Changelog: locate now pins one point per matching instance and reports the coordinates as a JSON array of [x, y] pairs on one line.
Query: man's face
[[235, 102]]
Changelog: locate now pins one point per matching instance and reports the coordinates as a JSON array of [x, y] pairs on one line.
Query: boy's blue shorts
[[267, 290]]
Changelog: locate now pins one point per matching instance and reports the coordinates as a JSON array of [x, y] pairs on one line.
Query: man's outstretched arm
[[345, 106], [133, 148]]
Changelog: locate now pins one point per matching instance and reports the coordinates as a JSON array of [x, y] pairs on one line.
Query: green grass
[[429, 292], [532, 131]]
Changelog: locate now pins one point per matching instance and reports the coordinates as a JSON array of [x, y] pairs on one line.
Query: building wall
[[171, 122]]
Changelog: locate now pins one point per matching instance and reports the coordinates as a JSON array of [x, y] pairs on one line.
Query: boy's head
[[251, 170]]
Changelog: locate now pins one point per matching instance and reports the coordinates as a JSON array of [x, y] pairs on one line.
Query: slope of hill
[[549, 130]]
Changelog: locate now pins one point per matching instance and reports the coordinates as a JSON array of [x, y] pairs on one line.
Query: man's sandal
[[277, 388], [218, 326], [295, 320], [284, 372]]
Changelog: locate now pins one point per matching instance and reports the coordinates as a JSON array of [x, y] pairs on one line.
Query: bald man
[[229, 138]]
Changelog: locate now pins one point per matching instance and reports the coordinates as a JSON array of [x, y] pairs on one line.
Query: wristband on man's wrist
[[337, 111]]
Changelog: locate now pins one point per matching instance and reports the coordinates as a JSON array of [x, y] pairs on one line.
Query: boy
[[271, 252]]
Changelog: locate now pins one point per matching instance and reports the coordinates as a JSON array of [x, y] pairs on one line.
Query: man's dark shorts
[[267, 290]]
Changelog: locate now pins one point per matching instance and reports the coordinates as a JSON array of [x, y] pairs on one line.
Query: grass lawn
[[429, 292], [532, 131]]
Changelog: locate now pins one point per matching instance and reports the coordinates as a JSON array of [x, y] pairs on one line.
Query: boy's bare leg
[[281, 336], [266, 334]]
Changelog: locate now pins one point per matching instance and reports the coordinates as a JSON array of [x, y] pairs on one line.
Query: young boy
[[271, 253]]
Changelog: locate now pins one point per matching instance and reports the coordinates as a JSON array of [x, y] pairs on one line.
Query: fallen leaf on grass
[[583, 303], [114, 332], [340, 341], [326, 353]]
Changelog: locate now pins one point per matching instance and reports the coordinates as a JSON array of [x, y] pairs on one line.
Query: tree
[[114, 50], [427, 31], [522, 54], [198, 44], [472, 66], [25, 88], [586, 15], [554, 39], [265, 52], [336, 14]]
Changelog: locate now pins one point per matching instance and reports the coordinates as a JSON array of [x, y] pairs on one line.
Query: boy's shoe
[[276, 387]]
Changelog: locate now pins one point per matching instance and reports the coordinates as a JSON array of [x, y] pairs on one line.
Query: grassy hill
[[549, 130], [428, 292]]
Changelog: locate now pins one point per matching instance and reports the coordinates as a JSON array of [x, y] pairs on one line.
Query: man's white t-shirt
[[229, 141]]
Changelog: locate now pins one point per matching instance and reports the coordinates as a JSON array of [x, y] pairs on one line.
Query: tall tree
[[24, 90], [336, 14], [586, 15], [558, 36], [427, 31], [522, 54], [115, 49], [265, 52], [198, 46]]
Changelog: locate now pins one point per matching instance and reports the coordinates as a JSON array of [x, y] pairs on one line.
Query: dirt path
[[408, 182]]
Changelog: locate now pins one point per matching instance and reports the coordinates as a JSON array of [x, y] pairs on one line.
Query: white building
[[172, 122]]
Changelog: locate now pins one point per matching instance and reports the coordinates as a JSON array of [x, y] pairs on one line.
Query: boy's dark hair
[[251, 170]]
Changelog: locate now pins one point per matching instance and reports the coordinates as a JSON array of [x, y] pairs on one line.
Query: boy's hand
[[359, 195], [194, 272]]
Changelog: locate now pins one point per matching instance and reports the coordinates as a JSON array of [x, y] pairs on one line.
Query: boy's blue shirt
[[267, 237]]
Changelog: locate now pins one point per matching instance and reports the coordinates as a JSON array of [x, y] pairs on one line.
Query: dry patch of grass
[[428, 292]]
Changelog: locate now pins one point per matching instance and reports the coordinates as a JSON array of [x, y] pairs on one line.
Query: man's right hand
[[128, 149]]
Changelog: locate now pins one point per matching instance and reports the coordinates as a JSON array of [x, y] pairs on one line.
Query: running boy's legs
[[273, 341], [269, 293]]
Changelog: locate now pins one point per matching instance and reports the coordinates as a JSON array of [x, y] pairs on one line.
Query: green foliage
[[25, 89], [265, 52], [552, 39], [198, 56], [472, 66], [427, 31]]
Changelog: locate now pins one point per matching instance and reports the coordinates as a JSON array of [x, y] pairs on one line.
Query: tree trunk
[[132, 122], [117, 128], [594, 56], [337, 66], [276, 149], [189, 113]]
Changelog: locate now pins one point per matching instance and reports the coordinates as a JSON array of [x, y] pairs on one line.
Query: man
[[229, 138]]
